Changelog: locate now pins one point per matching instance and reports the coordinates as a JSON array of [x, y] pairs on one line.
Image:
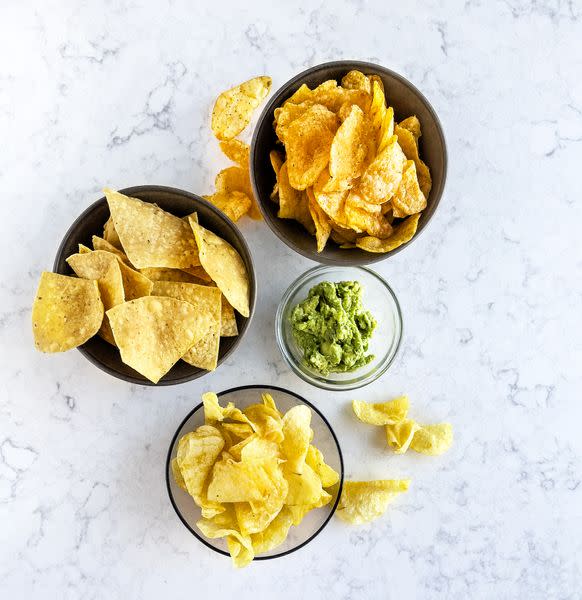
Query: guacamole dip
[[332, 328]]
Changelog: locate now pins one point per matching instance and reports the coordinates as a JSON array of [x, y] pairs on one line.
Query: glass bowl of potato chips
[[255, 472], [348, 163], [152, 284], [339, 328]]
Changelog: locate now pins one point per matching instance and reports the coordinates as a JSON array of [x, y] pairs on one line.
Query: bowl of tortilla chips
[[154, 285], [348, 163]]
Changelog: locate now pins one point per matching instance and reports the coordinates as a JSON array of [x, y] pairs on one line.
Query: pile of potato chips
[[349, 172], [158, 287], [232, 113], [253, 472]]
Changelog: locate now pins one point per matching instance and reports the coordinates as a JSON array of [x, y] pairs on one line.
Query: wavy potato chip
[[356, 80], [67, 311], [308, 142], [382, 177], [408, 198], [364, 501], [203, 353], [293, 204], [297, 436], [150, 236], [153, 333], [232, 203], [224, 264], [425, 439], [286, 114], [381, 413], [331, 202], [330, 95], [401, 234], [399, 435], [409, 144], [234, 108], [266, 421], [349, 147]]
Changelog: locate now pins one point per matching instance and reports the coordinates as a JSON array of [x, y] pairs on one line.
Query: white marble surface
[[118, 93]]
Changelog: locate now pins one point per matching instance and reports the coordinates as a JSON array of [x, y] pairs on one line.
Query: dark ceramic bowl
[[179, 203], [405, 99]]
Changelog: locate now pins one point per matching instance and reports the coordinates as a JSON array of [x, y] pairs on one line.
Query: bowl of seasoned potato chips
[[348, 163], [152, 284], [255, 472]]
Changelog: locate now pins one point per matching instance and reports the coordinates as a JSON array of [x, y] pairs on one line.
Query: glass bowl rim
[[289, 359], [199, 536]]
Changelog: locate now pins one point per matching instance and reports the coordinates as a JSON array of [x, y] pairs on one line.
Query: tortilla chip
[[67, 311], [110, 235], [228, 326]]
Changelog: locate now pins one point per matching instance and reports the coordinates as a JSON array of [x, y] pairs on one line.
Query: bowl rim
[[128, 191], [275, 388], [275, 101], [326, 384]]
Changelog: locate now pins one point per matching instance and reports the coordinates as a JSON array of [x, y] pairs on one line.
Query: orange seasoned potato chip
[[236, 151], [234, 108], [409, 144], [321, 220], [382, 177], [233, 204], [349, 147], [356, 80], [401, 234]]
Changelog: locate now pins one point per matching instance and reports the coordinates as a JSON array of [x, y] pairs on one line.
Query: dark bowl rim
[[236, 232], [238, 389], [274, 102]]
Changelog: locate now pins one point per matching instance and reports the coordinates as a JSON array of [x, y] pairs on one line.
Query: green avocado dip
[[332, 328]]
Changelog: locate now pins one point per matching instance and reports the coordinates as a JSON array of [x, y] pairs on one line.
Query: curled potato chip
[[214, 412], [425, 439], [237, 151], [349, 147], [234, 108], [401, 234], [326, 474], [266, 421], [297, 435], [321, 220], [67, 311], [269, 402], [364, 501], [381, 413], [153, 333], [150, 236], [356, 80], [224, 264], [382, 177], [308, 142], [233, 204], [408, 198], [409, 144], [293, 204]]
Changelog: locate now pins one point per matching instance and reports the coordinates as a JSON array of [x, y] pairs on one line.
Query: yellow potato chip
[[259, 447], [110, 235], [349, 147], [224, 264], [297, 435], [362, 216], [177, 474], [228, 326], [266, 421], [240, 430], [241, 552], [293, 204], [356, 80], [274, 534], [382, 177], [206, 300], [237, 151], [364, 501], [286, 114], [408, 198], [233, 204], [196, 454], [101, 244], [269, 402], [277, 161], [305, 488], [164, 274], [153, 333], [150, 236], [386, 130], [413, 125], [381, 413], [425, 439], [67, 311], [321, 220], [332, 96], [409, 144], [326, 474], [377, 110], [234, 108], [308, 142], [401, 234], [249, 481], [214, 412]]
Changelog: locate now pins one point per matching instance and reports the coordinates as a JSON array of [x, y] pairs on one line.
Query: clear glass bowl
[[323, 437], [377, 297]]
